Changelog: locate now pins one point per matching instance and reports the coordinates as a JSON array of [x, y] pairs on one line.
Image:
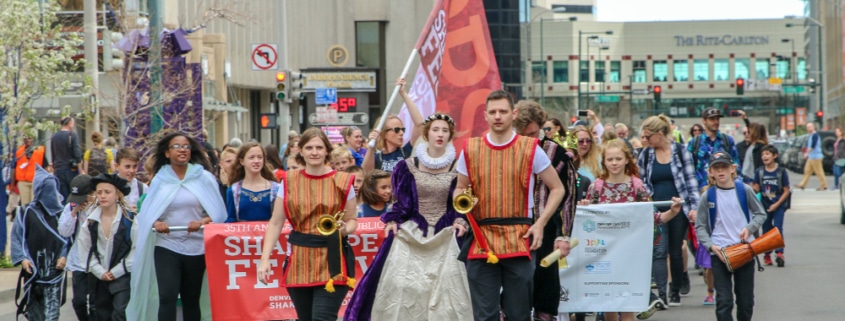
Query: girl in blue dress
[[251, 196]]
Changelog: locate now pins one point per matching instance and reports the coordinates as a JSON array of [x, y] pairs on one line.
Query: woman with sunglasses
[[588, 153], [389, 141], [552, 126], [695, 130], [668, 171], [168, 266]]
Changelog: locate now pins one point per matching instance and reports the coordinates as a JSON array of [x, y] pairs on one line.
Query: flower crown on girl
[[439, 116]]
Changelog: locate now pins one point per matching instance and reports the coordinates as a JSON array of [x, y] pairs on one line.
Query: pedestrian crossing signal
[[268, 121]]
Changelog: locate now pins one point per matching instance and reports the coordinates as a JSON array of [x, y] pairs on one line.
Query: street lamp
[[818, 25], [531, 67], [580, 35]]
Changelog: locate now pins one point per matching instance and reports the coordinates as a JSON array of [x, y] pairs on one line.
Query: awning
[[216, 105]]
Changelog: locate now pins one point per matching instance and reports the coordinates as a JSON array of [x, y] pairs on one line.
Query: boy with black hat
[[73, 218], [107, 246], [730, 215]]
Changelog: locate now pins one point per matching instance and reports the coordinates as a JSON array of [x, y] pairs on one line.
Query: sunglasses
[[585, 141], [547, 129], [177, 146], [646, 137], [396, 129]]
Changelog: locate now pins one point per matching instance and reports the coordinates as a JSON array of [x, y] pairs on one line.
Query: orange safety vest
[[500, 175], [307, 198], [25, 167]]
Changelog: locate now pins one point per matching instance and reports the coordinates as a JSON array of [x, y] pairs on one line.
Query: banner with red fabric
[[457, 67], [233, 254]]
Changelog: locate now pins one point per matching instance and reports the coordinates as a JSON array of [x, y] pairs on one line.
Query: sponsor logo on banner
[[614, 226], [233, 254], [589, 226], [603, 267]]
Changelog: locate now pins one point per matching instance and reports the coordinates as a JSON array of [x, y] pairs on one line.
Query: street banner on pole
[[233, 254], [611, 268], [457, 67]]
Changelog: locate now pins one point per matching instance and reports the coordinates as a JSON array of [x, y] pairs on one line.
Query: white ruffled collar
[[435, 162]]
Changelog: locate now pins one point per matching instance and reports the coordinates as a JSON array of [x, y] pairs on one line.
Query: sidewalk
[[8, 280]]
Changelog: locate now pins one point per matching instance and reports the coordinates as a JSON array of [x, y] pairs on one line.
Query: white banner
[[610, 270]]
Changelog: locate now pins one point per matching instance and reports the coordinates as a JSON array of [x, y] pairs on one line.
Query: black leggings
[[315, 303], [179, 276], [677, 234]]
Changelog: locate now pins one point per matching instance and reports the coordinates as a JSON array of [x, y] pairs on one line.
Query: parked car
[[795, 154], [781, 145]]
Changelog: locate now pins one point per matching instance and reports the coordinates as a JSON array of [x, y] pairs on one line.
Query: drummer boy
[[734, 215]]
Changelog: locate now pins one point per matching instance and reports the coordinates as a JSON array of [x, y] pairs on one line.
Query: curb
[[7, 295]]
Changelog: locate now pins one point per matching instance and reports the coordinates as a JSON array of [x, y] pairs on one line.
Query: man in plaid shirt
[[702, 146]]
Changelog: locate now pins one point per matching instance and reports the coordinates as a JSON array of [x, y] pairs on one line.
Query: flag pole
[[372, 143]]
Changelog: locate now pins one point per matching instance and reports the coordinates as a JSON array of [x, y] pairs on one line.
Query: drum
[[738, 255]]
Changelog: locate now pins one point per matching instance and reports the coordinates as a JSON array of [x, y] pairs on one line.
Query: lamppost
[[792, 67], [819, 82], [580, 35], [531, 67]]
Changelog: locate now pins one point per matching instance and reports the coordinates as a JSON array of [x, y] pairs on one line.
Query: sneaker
[[662, 304], [675, 300], [767, 259], [652, 307], [653, 285], [709, 300], [779, 259], [685, 286]]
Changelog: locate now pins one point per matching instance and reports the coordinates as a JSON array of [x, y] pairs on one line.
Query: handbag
[[840, 162]]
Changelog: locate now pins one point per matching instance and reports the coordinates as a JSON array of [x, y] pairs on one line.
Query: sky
[[666, 10]]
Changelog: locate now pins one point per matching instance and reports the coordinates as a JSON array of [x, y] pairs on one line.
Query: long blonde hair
[[592, 157], [380, 142]]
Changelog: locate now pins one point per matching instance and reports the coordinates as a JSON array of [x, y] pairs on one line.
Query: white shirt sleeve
[[461, 166], [281, 194], [84, 241], [67, 223], [541, 161]]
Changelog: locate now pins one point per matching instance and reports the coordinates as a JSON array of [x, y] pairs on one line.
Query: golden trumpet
[[465, 201], [328, 224]]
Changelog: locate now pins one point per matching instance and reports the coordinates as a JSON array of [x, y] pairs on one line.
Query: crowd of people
[[111, 228]]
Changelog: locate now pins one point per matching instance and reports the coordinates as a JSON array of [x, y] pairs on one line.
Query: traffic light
[[819, 116], [268, 121], [281, 85], [657, 91], [573, 120], [297, 81], [740, 86], [812, 85]]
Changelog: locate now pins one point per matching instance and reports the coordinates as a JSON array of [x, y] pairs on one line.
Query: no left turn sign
[[265, 57]]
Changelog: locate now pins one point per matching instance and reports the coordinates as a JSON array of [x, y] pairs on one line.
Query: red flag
[[457, 67]]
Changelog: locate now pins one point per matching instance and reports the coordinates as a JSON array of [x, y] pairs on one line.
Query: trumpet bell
[[464, 202], [328, 224]]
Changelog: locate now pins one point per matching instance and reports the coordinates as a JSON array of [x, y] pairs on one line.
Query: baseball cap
[[711, 112], [720, 157], [80, 187]]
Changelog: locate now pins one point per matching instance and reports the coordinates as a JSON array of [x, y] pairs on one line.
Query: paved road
[[808, 288]]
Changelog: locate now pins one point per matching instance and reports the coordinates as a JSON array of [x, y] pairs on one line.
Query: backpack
[[97, 161], [743, 202], [696, 145], [236, 197], [779, 173]]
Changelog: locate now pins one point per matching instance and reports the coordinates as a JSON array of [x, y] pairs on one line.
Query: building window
[[762, 67], [742, 68], [584, 72], [802, 69], [661, 70], [538, 71], [560, 71], [615, 71], [599, 71], [701, 69], [639, 71], [782, 68], [721, 70], [680, 70]]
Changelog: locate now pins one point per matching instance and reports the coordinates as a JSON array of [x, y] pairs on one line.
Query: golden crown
[[570, 141]]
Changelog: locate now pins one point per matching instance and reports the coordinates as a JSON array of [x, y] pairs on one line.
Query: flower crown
[[439, 116], [569, 142]]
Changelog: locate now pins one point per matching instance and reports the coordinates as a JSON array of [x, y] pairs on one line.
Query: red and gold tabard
[[308, 197], [500, 176]]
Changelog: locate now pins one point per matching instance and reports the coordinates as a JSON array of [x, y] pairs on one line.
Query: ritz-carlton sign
[[723, 40]]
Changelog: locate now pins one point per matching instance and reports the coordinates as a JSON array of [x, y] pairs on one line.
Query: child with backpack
[[730, 215], [772, 182], [618, 183], [107, 245], [254, 187]]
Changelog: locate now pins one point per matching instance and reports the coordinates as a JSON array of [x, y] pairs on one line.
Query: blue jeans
[[774, 219], [837, 171], [65, 176]]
